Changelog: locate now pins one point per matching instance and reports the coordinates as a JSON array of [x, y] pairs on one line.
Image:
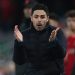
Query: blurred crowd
[[65, 22]]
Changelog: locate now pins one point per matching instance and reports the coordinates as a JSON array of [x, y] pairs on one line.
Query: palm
[[53, 34], [18, 34]]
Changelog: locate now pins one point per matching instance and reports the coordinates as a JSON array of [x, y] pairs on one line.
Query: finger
[[57, 29], [53, 32], [16, 27]]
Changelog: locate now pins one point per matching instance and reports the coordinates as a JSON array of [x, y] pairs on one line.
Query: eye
[[36, 16], [42, 16]]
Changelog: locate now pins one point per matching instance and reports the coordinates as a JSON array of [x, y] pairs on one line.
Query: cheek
[[44, 21], [34, 21]]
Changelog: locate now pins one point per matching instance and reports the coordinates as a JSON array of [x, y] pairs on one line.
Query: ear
[[48, 19]]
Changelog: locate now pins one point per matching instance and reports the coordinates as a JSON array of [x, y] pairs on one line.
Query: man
[[40, 47]]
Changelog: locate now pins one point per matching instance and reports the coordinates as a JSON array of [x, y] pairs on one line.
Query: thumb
[[56, 30], [16, 27]]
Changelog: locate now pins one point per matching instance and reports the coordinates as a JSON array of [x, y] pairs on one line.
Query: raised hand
[[53, 34], [18, 35]]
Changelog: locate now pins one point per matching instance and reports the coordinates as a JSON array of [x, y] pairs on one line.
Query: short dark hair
[[40, 7], [70, 13]]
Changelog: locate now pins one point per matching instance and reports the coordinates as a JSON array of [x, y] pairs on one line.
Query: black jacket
[[37, 49]]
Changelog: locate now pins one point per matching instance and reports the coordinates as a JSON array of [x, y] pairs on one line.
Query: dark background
[[11, 10], [11, 14]]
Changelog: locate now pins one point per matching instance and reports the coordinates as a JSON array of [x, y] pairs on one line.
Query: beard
[[39, 28]]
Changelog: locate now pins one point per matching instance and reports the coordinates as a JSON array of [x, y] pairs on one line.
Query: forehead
[[39, 12]]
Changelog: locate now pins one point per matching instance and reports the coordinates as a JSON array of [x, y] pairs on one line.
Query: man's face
[[71, 23], [39, 19]]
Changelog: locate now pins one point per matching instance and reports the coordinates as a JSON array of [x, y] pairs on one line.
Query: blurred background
[[11, 14]]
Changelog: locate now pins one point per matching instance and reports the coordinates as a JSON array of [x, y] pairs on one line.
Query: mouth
[[39, 25]]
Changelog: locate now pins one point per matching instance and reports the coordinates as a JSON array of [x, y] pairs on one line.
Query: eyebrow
[[42, 15], [38, 15]]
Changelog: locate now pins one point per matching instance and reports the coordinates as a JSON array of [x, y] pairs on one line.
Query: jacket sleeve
[[59, 50], [61, 44], [18, 55]]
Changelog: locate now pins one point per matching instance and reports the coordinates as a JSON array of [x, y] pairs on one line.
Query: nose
[[39, 19]]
